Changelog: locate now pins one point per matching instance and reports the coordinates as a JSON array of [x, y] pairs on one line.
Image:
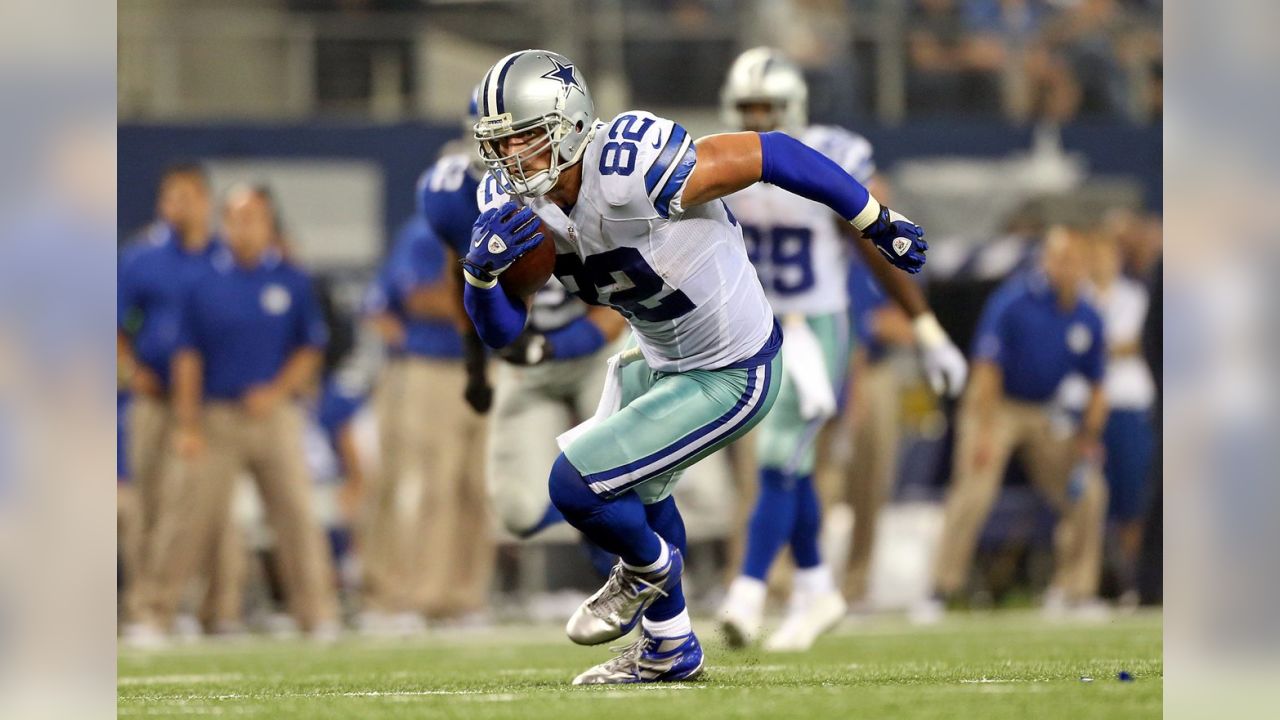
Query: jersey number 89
[[782, 254]]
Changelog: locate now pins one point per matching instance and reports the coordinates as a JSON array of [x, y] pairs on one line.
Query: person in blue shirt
[[154, 273], [251, 339], [1034, 331], [437, 559]]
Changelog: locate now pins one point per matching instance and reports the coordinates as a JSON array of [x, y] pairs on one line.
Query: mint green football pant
[[668, 422], [786, 440]]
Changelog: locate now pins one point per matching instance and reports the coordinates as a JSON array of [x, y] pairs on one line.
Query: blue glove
[[900, 240], [498, 239]]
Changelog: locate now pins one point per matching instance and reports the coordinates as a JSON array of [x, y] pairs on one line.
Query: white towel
[[610, 397]]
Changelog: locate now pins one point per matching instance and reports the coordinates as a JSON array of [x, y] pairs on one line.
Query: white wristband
[[928, 330], [869, 213], [477, 282]]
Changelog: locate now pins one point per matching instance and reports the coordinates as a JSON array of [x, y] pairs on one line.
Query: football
[[531, 271]]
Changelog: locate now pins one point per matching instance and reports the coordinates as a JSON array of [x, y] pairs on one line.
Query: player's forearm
[[350, 456], [904, 292], [126, 360], [984, 393], [498, 318], [388, 327], [188, 387], [608, 321], [456, 291], [298, 372], [1130, 348], [1095, 415], [433, 302]]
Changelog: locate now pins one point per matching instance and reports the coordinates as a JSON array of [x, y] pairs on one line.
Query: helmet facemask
[[512, 169], [764, 76]]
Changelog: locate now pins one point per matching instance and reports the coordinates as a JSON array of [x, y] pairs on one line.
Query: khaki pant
[[128, 533], [153, 586], [867, 480], [435, 554], [270, 450], [978, 469]]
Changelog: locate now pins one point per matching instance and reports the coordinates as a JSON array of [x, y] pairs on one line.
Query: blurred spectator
[[375, 72], [1008, 34], [1128, 439], [817, 35], [251, 341], [154, 275], [1140, 240], [1086, 39], [949, 70], [438, 556], [1035, 330], [679, 60], [1109, 51]]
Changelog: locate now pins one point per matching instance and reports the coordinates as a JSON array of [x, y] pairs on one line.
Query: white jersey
[[1128, 383], [680, 277], [796, 245]]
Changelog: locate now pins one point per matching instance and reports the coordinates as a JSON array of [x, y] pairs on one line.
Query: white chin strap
[[536, 186]]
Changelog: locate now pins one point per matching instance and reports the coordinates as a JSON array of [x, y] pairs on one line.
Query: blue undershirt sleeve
[[499, 318], [801, 170], [577, 339]]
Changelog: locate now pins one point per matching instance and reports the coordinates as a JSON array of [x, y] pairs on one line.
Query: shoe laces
[[629, 656], [618, 589]]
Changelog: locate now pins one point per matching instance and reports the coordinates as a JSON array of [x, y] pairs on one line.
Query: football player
[[799, 251], [633, 209], [553, 373]]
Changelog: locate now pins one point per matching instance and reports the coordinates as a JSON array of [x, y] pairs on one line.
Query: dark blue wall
[[403, 150]]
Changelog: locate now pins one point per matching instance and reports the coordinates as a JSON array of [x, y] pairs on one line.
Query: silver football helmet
[[765, 75], [541, 94]]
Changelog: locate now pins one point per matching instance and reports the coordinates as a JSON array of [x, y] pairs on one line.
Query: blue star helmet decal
[[563, 73]]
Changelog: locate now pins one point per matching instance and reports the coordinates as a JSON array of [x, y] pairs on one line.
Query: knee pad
[[569, 492]]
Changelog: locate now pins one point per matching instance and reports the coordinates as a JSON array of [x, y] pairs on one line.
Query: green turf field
[[1007, 665]]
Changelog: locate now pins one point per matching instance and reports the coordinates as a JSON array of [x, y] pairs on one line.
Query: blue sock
[[617, 525], [551, 517], [771, 523], [804, 536], [665, 520]]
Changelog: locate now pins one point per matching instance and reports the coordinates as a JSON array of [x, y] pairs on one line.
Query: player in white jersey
[[633, 208], [800, 252]]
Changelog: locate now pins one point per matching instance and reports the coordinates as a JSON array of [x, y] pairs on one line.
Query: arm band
[[498, 318], [577, 339], [801, 170]]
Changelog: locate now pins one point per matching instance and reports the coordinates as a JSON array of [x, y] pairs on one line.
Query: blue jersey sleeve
[[447, 201], [191, 335], [992, 335], [126, 291], [416, 260], [311, 328]]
